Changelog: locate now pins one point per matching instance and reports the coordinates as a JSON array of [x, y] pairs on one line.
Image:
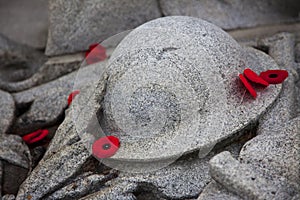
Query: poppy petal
[[105, 147], [248, 86], [274, 76], [35, 136], [252, 76], [72, 96], [95, 54]]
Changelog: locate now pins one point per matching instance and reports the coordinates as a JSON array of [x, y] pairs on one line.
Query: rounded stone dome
[[171, 87]]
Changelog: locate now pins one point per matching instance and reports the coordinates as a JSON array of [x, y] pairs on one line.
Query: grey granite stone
[[7, 111], [163, 99], [66, 155], [281, 48], [17, 62], [184, 179], [276, 152], [215, 191], [53, 173], [234, 14], [83, 185], [14, 151], [121, 191], [15, 161], [9, 197], [74, 25], [54, 68], [243, 180], [85, 80], [25, 22], [46, 103]]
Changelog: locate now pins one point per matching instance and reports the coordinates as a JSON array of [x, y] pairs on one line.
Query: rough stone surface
[[281, 48], [215, 191], [17, 62], [14, 151], [44, 105], [74, 25], [52, 69], [83, 185], [276, 153], [9, 197], [179, 89], [25, 22], [52, 173], [7, 111], [244, 180], [66, 154], [121, 191], [15, 162], [235, 14]]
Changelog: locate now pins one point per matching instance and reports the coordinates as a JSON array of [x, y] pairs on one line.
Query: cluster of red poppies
[[264, 79]]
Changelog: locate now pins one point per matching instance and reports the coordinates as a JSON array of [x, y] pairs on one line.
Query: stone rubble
[[242, 149], [91, 21]]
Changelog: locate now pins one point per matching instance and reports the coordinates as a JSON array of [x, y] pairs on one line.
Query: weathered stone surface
[[184, 179], [46, 103], [66, 154], [25, 22], [53, 173], [17, 62], [77, 24], [14, 151], [86, 184], [7, 111], [243, 180], [234, 14], [54, 68], [215, 191], [15, 162], [276, 153], [9, 197], [179, 90], [281, 48], [121, 191]]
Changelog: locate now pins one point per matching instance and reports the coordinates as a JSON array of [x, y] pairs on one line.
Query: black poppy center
[[273, 75], [106, 146]]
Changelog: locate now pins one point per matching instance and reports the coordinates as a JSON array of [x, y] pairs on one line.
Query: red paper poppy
[[248, 86], [95, 54], [252, 76], [274, 76], [72, 96], [35, 136], [105, 147]]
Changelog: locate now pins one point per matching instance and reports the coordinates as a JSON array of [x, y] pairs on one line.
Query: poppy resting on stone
[[35, 136], [72, 96], [96, 53], [252, 76], [248, 86], [105, 147], [274, 76]]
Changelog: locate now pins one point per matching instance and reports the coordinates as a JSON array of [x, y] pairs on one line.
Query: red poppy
[[274, 76], [35, 136], [248, 86], [95, 54], [72, 96], [252, 76], [105, 147]]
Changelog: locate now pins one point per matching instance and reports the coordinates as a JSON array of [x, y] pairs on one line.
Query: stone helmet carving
[[171, 87]]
